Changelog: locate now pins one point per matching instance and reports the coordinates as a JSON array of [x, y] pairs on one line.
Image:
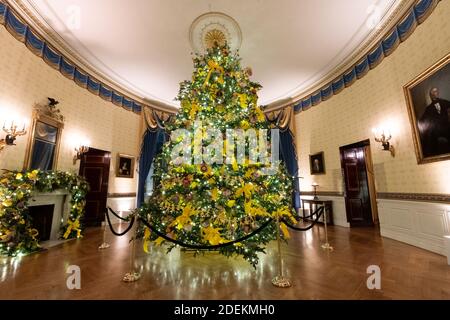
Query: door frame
[[370, 183], [360, 144]]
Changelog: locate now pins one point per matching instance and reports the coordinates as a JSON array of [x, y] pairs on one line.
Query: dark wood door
[[356, 186], [94, 167]]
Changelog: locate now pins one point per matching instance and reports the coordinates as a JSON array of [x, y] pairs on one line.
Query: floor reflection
[[408, 272], [203, 271], [8, 267]]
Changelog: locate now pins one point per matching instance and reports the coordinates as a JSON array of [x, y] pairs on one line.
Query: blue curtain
[[42, 158], [289, 157], [151, 146]]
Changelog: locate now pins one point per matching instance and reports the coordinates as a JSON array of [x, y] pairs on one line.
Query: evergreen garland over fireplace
[[17, 235]]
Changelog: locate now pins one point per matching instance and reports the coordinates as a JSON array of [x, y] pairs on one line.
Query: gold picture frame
[[125, 166], [428, 103]]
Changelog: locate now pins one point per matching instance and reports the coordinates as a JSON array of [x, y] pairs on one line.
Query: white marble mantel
[[61, 201]]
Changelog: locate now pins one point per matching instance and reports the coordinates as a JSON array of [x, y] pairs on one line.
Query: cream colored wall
[[376, 99], [26, 79]]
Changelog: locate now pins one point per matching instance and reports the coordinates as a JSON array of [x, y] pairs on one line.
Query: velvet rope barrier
[[203, 247], [119, 234], [306, 217], [318, 212], [321, 209], [117, 216]]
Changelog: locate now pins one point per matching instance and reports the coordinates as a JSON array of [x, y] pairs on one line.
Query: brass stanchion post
[[326, 245], [132, 275], [280, 281], [104, 245]]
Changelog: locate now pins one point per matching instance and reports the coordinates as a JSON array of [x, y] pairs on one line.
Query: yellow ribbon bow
[[260, 114], [214, 66], [72, 225], [215, 194], [212, 235], [194, 109], [6, 237], [284, 211], [184, 218], [245, 189], [146, 239], [34, 233], [285, 231], [243, 100], [254, 210]]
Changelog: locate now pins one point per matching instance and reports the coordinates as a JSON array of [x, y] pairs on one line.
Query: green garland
[[17, 235]]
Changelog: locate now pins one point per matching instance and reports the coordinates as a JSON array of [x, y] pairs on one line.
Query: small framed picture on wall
[[125, 166], [317, 163]]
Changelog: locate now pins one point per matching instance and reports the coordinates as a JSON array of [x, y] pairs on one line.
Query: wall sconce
[[383, 136], [80, 149], [315, 185], [11, 134]]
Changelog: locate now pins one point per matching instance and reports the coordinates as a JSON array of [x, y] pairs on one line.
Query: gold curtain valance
[[282, 118], [154, 118]]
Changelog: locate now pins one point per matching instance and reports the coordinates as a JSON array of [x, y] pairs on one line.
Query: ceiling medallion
[[213, 27], [214, 36]]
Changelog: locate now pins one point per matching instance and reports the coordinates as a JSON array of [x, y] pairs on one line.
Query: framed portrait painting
[[125, 166], [428, 102], [317, 163]]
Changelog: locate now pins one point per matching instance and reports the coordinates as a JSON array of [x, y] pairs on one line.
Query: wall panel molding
[[323, 193], [122, 195], [421, 197], [425, 197], [420, 224]]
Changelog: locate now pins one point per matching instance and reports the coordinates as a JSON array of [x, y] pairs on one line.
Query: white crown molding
[[31, 17], [389, 21]]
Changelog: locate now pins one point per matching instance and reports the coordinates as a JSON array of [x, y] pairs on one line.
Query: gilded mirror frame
[[44, 115]]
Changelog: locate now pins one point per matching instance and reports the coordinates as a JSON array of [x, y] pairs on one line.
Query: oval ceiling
[[143, 45]]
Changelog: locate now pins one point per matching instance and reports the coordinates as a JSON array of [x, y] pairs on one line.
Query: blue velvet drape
[[151, 146], [289, 157], [42, 157]]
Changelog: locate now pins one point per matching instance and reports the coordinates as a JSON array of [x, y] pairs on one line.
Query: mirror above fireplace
[[45, 137]]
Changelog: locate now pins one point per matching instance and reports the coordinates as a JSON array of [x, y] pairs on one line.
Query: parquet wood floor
[[407, 272]]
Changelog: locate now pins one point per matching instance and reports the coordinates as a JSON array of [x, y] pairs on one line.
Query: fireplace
[[48, 212], [41, 220]]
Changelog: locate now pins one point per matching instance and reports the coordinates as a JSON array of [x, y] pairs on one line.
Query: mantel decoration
[[17, 236]]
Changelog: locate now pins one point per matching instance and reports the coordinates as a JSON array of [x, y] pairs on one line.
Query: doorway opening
[[359, 184], [94, 167]]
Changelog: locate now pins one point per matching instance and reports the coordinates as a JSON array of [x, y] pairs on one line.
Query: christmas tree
[[212, 183]]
